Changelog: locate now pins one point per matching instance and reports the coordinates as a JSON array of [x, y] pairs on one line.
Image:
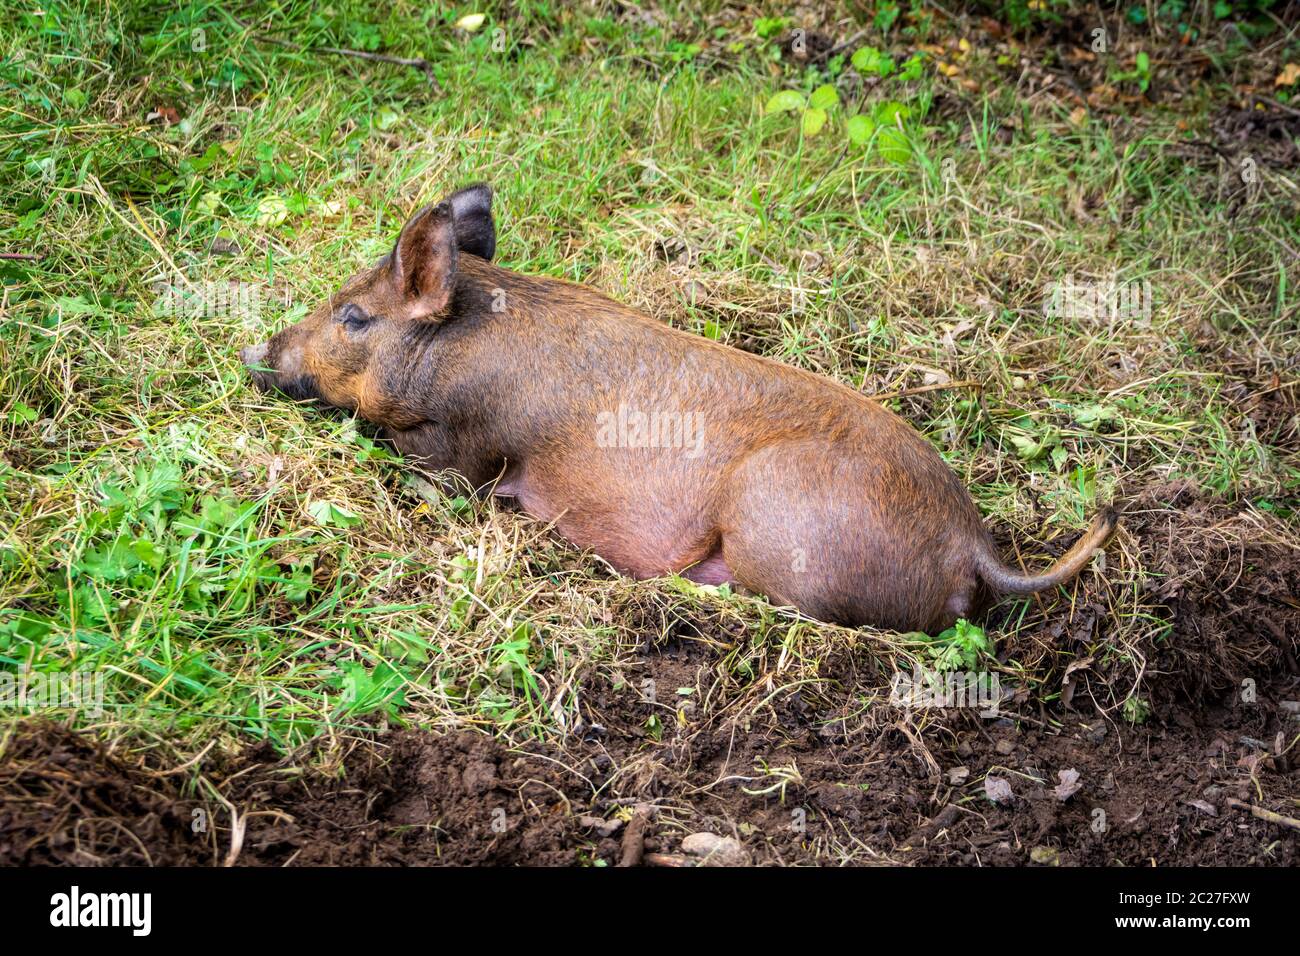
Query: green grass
[[238, 565]]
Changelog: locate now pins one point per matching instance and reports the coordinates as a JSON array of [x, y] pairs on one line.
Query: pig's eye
[[353, 318]]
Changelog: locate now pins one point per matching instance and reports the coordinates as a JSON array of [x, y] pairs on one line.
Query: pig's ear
[[424, 261], [476, 233]]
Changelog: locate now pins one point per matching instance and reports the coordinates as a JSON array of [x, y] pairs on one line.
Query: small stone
[[998, 790], [1094, 733], [714, 850], [1045, 856], [600, 825], [695, 292], [1004, 747]]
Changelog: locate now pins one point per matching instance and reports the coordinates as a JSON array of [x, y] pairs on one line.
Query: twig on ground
[[181, 768], [633, 848], [21, 256], [1259, 813], [922, 389], [841, 47], [941, 821], [1275, 104]]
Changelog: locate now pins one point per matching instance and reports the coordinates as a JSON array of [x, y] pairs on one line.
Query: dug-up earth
[[1209, 776]]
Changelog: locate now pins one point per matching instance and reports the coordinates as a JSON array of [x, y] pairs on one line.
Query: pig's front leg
[[449, 459]]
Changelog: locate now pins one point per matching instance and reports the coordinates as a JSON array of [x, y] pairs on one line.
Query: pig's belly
[[641, 535], [840, 536]]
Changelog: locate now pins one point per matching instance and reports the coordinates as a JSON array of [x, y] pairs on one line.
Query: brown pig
[[661, 451]]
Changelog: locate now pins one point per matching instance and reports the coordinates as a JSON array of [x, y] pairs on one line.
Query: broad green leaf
[[813, 121], [329, 514], [869, 61], [1027, 447], [784, 102], [886, 14], [824, 97], [889, 112], [1059, 456], [893, 145], [271, 211], [859, 129], [365, 691], [912, 67], [1092, 414], [77, 305], [149, 553]]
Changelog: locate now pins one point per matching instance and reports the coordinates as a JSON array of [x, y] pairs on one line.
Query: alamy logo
[[1103, 301], [930, 688], [631, 428], [38, 690], [75, 908], [244, 301]]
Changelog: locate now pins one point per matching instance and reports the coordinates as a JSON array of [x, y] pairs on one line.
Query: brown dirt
[[399, 798], [1268, 135], [798, 774], [1272, 407]]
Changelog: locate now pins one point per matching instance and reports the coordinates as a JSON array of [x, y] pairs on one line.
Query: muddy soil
[[402, 798], [808, 775]]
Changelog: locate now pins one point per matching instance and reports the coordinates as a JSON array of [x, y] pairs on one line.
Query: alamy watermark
[[1104, 300], [76, 909], [632, 428], [925, 688], [37, 690], [211, 299]]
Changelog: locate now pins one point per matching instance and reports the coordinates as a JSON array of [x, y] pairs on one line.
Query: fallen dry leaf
[[1070, 784], [1289, 75], [934, 376], [998, 790]]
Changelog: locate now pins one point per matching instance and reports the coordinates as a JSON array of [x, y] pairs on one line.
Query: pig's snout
[[275, 366], [253, 354], [254, 359]]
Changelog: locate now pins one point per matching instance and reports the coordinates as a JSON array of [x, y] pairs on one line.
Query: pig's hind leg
[[795, 528], [712, 569]]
